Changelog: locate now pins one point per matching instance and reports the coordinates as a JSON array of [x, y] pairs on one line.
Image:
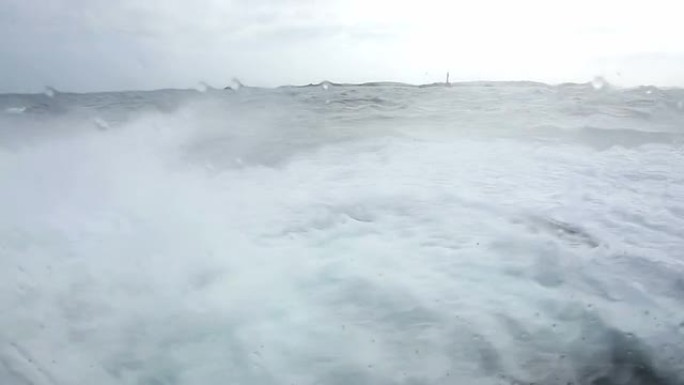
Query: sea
[[478, 233]]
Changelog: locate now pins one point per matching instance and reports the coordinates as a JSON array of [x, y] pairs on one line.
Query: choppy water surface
[[486, 233]]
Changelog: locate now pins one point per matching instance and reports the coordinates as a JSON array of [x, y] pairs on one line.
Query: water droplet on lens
[[202, 87], [50, 92], [101, 124], [235, 84], [599, 83]]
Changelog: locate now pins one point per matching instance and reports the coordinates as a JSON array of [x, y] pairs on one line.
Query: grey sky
[[89, 45]]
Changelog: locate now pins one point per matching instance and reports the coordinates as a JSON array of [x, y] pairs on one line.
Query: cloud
[[97, 44]]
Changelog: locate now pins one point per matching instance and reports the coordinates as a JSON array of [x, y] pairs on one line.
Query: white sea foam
[[268, 237]]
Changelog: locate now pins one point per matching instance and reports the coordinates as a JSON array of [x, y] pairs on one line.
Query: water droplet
[[202, 87], [599, 83], [235, 84], [326, 85], [50, 92], [101, 124]]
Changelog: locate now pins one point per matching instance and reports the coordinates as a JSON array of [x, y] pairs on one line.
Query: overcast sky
[[91, 45]]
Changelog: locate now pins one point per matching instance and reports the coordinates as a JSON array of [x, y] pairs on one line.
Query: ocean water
[[484, 233]]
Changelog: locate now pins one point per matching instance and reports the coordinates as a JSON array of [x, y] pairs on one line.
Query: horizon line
[[604, 84]]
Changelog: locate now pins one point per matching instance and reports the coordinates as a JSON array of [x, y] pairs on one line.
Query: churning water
[[485, 233]]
